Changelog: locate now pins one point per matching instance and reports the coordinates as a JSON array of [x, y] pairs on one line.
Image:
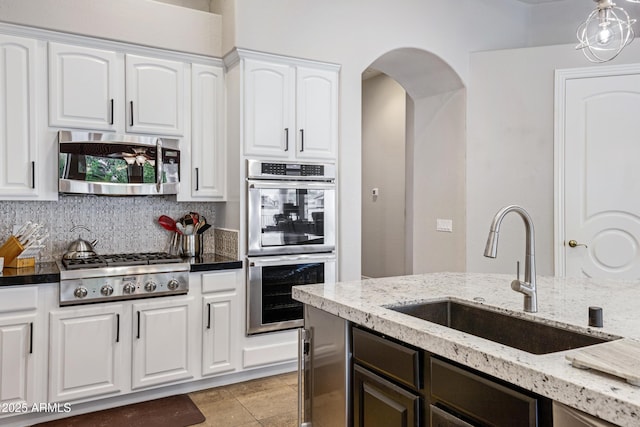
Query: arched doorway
[[413, 157]]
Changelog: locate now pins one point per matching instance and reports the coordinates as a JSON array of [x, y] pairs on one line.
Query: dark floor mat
[[173, 411]]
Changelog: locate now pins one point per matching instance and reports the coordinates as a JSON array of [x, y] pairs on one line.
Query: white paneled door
[[600, 177]]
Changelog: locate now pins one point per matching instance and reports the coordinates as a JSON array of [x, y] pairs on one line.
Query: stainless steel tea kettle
[[80, 248]]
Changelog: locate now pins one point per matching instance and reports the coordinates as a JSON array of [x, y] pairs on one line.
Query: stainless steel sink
[[526, 335]]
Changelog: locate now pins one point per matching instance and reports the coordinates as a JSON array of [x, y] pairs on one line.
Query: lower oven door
[[270, 278]]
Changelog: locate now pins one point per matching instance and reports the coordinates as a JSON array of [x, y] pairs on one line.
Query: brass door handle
[[573, 244]]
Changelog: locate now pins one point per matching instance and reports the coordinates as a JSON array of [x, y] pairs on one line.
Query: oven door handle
[[290, 259], [276, 185]]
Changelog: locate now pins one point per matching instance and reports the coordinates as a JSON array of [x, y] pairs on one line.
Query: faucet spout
[[528, 286]]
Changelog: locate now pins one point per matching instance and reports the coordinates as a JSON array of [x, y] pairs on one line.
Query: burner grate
[[123, 259]]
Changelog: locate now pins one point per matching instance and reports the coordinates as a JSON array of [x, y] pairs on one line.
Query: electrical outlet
[[444, 225]]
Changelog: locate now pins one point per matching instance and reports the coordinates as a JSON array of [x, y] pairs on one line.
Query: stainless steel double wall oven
[[291, 223]]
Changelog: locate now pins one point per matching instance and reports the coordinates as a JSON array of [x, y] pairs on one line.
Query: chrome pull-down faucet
[[528, 286]]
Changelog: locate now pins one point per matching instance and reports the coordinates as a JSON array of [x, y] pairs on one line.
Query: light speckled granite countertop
[[562, 302]]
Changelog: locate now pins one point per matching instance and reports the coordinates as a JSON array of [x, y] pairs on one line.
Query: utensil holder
[[192, 245], [10, 250]]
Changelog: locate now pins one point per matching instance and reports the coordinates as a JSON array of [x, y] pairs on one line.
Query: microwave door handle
[[158, 164]]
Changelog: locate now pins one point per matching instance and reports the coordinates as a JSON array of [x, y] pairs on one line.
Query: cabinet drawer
[[441, 418], [18, 298], [480, 399], [395, 360]]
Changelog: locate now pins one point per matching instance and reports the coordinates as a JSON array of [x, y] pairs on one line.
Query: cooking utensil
[[203, 228], [167, 223]]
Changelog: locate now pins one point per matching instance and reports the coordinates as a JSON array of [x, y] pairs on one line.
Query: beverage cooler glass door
[[291, 217], [270, 306]]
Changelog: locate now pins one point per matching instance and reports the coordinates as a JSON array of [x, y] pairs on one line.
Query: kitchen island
[[562, 302]]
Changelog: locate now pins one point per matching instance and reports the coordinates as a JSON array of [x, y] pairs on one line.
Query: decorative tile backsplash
[[119, 224], [226, 242]]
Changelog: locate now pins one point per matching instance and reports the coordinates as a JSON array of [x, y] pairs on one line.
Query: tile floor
[[266, 402]]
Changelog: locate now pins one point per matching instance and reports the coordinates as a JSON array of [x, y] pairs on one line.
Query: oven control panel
[[118, 288], [257, 169]]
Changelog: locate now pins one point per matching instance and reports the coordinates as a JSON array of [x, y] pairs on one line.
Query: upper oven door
[[287, 217]]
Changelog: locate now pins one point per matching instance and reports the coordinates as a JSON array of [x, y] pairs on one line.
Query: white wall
[[438, 188], [143, 22], [510, 148], [383, 161], [354, 33]]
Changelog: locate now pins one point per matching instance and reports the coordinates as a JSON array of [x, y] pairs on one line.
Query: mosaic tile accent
[[120, 224], [226, 242]]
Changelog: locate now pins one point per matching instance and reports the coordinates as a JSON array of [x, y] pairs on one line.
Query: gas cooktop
[[115, 277], [114, 260]]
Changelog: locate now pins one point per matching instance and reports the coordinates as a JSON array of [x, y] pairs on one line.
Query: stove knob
[[80, 292], [150, 286], [106, 290], [129, 288], [173, 284]]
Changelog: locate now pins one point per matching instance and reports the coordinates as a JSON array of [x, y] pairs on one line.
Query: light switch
[[375, 192], [444, 225]]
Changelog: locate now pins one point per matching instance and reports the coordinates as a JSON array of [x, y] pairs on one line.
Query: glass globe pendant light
[[607, 30]]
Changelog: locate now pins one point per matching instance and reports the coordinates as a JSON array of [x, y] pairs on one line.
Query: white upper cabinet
[[316, 113], [290, 110], [84, 87], [269, 115], [18, 97], [155, 92], [98, 89], [207, 180]]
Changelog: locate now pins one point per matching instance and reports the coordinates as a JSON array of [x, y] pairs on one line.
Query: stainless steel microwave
[[117, 165]]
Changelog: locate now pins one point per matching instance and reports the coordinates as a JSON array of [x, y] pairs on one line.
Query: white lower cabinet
[[221, 326], [87, 352], [161, 343], [16, 359], [115, 348], [21, 348]]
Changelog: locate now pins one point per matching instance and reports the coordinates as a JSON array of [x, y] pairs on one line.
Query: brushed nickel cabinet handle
[[286, 139]]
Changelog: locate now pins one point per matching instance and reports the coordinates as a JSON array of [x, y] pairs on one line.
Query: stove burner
[[113, 260]]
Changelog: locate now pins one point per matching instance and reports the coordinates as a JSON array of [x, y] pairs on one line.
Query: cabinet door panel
[[16, 359], [160, 343], [317, 113], [86, 352], [268, 109], [155, 95], [379, 403], [218, 341], [17, 116], [83, 91], [207, 133]]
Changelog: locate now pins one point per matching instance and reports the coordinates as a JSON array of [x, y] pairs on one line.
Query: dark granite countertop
[[210, 262], [43, 272], [47, 272]]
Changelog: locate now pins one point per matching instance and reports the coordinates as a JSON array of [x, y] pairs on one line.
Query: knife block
[[10, 250]]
